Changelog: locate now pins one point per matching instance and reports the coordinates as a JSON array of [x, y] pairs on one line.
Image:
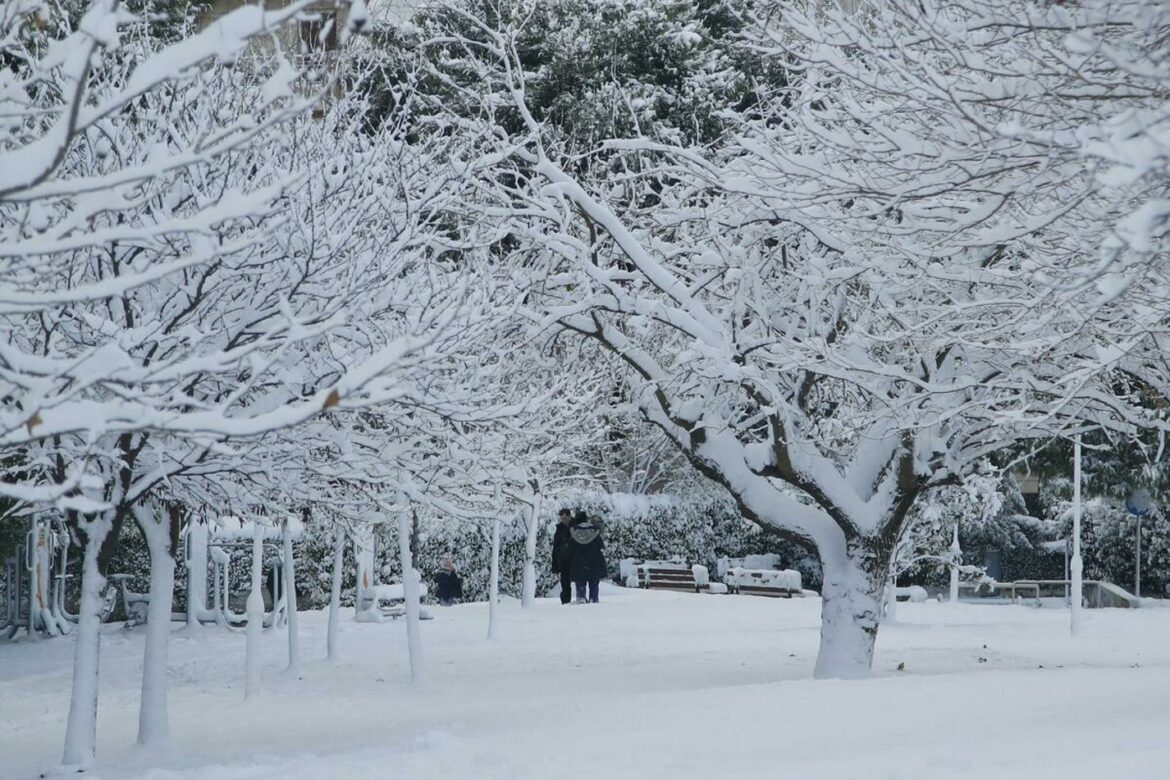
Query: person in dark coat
[[562, 554], [448, 585], [588, 563]]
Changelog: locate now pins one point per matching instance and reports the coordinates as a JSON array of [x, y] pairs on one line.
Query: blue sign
[[1138, 502]]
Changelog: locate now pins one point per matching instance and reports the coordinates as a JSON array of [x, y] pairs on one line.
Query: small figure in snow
[[448, 585], [588, 562], [562, 553]]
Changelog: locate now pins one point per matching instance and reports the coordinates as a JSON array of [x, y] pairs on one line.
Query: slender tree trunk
[[851, 609], [335, 594], [528, 592], [494, 582], [410, 589], [255, 615], [81, 728], [290, 601], [153, 718]]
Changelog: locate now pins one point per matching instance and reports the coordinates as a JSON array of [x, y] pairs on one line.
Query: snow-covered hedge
[[640, 527]]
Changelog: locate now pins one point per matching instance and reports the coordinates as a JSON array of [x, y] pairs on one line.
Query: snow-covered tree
[[804, 311], [187, 272]]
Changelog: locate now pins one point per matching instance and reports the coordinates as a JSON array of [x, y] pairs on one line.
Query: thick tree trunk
[[81, 729], [335, 595], [854, 581], [153, 719], [411, 593]]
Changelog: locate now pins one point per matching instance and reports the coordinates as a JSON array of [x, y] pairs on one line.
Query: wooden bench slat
[[758, 590]]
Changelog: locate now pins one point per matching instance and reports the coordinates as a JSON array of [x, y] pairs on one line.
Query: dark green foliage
[[593, 69]]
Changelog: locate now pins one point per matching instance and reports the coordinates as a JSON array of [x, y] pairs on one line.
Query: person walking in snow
[[588, 561], [448, 585], [562, 554]]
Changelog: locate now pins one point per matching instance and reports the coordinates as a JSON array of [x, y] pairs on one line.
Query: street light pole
[[1138, 505], [956, 554], [1137, 558], [1077, 565]]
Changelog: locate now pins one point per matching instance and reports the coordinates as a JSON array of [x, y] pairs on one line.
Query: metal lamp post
[[1138, 505], [1077, 564], [956, 556]]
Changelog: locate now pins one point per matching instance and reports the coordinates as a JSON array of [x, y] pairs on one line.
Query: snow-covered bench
[[765, 561], [912, 593], [784, 583], [670, 575], [390, 600]]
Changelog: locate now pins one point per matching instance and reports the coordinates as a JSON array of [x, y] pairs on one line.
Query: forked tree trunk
[[854, 580], [153, 719], [81, 728]]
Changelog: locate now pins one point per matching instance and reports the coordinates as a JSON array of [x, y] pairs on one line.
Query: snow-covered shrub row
[[643, 527], [636, 527], [994, 525], [469, 544], [1108, 542], [699, 532]]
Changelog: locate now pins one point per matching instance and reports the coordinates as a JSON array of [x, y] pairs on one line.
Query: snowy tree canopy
[[847, 304]]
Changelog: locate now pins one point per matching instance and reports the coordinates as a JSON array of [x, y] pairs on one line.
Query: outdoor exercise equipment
[[35, 579], [213, 544]]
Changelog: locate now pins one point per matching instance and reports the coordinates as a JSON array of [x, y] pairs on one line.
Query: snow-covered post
[[290, 591], [956, 556], [153, 719], [494, 581], [197, 534], [255, 614], [40, 611], [410, 583], [528, 591], [81, 728], [223, 565], [363, 553], [1077, 566], [335, 594]]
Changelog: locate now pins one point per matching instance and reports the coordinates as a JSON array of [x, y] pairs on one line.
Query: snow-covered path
[[645, 685]]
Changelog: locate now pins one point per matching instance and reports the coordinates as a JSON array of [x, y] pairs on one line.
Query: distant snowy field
[[645, 685]]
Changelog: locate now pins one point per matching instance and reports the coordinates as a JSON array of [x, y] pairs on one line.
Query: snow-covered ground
[[645, 685]]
